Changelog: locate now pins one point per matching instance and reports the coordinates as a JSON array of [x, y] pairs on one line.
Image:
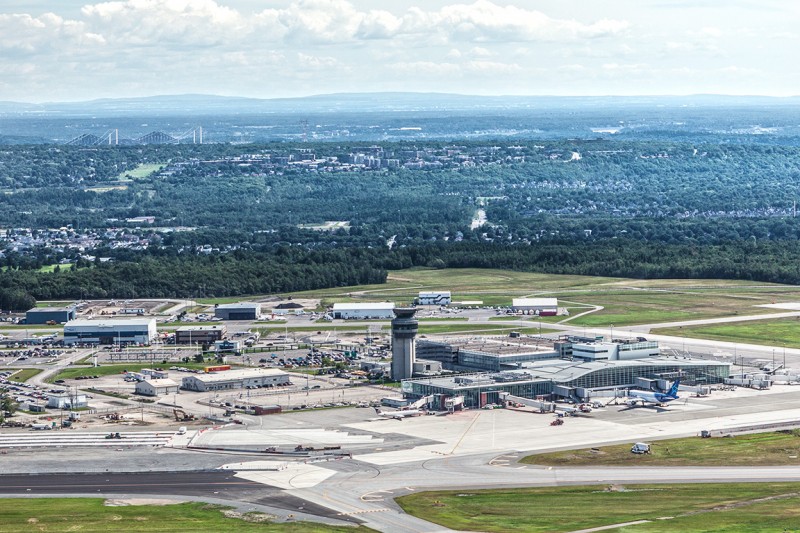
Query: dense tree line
[[186, 276], [290, 269]]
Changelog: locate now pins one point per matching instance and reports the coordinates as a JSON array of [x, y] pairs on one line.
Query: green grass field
[[141, 171], [24, 374], [686, 508], [90, 515], [760, 449], [108, 370], [625, 301], [778, 332], [54, 303]]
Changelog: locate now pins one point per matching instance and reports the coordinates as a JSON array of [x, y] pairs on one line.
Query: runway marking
[[93, 485], [365, 511], [374, 496]]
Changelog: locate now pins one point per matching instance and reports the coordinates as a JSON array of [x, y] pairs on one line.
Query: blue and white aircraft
[[655, 398]]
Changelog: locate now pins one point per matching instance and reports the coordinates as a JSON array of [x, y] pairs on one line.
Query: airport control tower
[[404, 330]]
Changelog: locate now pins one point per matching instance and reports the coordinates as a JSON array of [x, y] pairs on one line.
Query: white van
[[640, 447]]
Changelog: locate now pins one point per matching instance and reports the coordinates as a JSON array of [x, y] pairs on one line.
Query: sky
[[66, 50]]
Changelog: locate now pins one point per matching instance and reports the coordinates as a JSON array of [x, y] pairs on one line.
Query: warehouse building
[[67, 400], [156, 387], [200, 334], [110, 331], [535, 306], [238, 311], [434, 298], [363, 310], [236, 379], [52, 315]]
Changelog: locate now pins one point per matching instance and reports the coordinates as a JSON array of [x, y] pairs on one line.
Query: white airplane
[[656, 398], [398, 415]]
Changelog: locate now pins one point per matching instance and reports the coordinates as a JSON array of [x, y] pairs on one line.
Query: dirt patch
[[736, 505], [249, 517], [140, 501]]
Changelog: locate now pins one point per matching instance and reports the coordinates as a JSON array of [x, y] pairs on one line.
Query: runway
[[213, 485]]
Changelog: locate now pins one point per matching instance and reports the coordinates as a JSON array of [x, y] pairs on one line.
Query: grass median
[[688, 508], [92, 515], [759, 449]]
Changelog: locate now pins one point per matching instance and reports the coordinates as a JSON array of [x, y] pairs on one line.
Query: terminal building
[[535, 306], [53, 315], [200, 334], [434, 298], [575, 370], [488, 354], [110, 331], [570, 380], [236, 379], [238, 311], [363, 310]]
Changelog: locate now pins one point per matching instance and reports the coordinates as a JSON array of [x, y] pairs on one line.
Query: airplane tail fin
[[377, 410], [673, 391]]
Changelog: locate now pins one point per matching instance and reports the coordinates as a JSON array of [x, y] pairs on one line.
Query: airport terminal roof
[[500, 346], [561, 371]]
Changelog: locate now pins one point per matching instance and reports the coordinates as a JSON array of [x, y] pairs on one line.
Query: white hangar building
[[235, 379], [156, 387], [434, 298], [364, 310], [539, 306]]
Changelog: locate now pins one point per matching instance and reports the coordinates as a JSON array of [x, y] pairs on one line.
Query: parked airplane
[[398, 415], [657, 398]]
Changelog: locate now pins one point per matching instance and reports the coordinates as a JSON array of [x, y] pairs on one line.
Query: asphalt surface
[[217, 485]]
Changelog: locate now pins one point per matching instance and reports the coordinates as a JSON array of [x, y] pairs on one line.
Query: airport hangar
[[43, 315], [434, 298], [238, 311], [110, 331], [235, 379], [575, 370], [156, 387], [535, 306], [200, 334], [363, 310]]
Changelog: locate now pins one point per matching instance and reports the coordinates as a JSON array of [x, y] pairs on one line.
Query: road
[[40, 379]]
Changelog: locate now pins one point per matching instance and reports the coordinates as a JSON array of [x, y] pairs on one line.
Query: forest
[[258, 213], [289, 269]]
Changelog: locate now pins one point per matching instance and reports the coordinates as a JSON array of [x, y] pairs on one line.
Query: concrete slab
[[294, 476], [281, 437]]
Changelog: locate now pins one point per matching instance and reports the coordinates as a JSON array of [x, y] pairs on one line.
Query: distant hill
[[197, 105]]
